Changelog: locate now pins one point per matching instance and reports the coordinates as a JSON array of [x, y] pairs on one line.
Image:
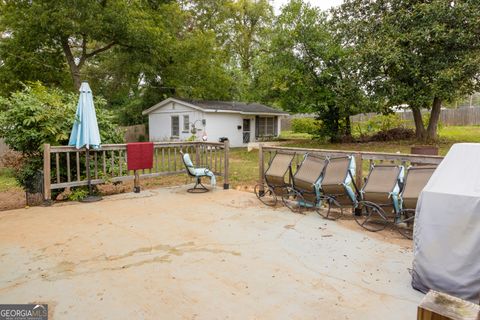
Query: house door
[[246, 130]]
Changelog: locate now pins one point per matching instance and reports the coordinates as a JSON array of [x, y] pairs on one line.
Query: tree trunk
[[348, 127], [419, 127], [74, 68], [77, 80], [434, 118]]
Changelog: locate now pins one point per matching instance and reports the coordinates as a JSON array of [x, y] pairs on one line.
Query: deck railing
[[363, 159], [65, 166]]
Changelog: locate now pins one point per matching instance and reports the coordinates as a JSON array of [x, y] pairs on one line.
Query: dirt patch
[[12, 199], [389, 235]]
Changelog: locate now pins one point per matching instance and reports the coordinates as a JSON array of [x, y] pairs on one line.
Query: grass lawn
[[7, 181]]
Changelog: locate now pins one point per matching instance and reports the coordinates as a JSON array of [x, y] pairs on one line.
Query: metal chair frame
[[198, 187], [298, 193], [261, 191], [331, 199], [371, 207]]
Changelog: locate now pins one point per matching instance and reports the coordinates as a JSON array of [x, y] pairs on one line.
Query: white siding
[[159, 121], [226, 125]]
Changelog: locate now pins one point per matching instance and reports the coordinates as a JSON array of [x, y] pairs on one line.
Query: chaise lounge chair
[[197, 174], [338, 187], [379, 197], [305, 189], [415, 180], [275, 185]]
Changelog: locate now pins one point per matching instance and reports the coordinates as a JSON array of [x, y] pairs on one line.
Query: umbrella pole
[[90, 197], [88, 173]]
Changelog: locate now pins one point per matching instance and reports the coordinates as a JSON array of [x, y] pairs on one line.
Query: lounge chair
[[197, 174], [275, 185], [305, 189], [379, 197], [415, 180], [338, 187]]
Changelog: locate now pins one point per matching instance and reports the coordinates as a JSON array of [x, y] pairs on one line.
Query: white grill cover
[[447, 226]]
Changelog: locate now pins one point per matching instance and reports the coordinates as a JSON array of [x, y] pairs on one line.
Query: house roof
[[221, 106]]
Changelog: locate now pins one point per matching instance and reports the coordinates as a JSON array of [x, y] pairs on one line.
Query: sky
[[323, 4]]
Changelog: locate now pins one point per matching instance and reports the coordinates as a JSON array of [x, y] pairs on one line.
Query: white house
[[179, 120]]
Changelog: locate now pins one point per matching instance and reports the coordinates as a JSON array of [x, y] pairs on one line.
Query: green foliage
[[418, 53], [305, 125], [38, 115], [78, 194], [7, 179], [384, 122], [426, 121], [308, 70]]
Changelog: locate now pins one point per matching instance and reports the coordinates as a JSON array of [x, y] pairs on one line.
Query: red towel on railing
[[139, 155]]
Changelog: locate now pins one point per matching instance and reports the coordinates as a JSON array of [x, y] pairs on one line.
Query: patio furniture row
[[327, 185]]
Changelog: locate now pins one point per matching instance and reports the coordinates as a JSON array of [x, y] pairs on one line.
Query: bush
[[38, 115], [305, 125], [393, 134], [385, 122]]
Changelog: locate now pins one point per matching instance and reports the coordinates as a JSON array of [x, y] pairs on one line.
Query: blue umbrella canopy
[[85, 131]]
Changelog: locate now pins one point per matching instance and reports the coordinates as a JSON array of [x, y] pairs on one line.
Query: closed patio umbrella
[[85, 133]]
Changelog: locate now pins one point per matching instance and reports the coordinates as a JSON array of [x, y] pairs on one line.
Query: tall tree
[[240, 28], [307, 69], [418, 53], [81, 30]]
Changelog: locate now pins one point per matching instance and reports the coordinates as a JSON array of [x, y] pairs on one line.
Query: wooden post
[[226, 184], [47, 193], [197, 155], [261, 169], [359, 170], [136, 182], [441, 306]]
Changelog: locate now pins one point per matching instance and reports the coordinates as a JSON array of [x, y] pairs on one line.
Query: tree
[[307, 69], [81, 30], [418, 53], [240, 28]]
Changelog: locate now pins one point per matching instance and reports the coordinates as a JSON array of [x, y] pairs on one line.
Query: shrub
[[38, 115], [393, 134], [385, 122], [305, 125], [78, 194]]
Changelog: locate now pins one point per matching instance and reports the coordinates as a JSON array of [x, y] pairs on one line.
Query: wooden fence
[[448, 117], [3, 150], [363, 160], [65, 166], [135, 133]]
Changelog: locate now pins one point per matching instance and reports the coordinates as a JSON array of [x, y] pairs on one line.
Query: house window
[[175, 126], [186, 122], [266, 126]]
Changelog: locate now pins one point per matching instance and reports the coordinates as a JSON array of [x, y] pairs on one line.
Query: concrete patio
[[166, 254]]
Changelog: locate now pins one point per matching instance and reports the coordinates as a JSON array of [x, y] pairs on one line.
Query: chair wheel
[[329, 213], [372, 217], [293, 200], [265, 194]]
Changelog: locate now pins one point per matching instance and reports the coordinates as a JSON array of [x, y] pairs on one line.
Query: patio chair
[[275, 185], [338, 188], [305, 190], [379, 197], [197, 174], [415, 180]]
